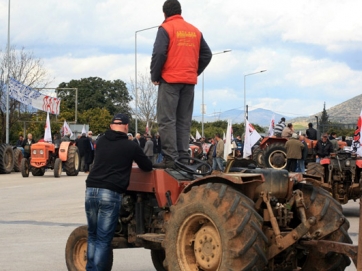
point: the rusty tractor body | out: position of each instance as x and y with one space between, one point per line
272 153
45 156
254 219
339 174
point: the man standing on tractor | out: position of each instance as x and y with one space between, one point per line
311 132
323 148
278 129
106 183
179 55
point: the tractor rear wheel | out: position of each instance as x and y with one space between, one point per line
158 256
57 168
6 159
315 169
327 211
275 156
214 227
258 157
18 156
76 250
71 166
25 167
38 171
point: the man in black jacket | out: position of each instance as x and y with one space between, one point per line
108 179
323 148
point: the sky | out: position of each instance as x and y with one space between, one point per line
311 50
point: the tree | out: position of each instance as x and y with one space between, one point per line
324 120
147 99
94 92
28 70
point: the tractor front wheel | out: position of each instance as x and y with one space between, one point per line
71 166
24 167
57 168
214 227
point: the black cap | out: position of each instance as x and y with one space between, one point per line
122 118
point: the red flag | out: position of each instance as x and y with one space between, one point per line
357 137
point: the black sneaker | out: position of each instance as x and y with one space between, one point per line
165 163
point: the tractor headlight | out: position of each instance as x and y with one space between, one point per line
34 151
41 152
348 163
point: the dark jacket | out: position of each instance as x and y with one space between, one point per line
160 53
305 151
294 148
311 133
113 162
323 149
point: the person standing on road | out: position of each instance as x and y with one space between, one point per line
180 54
218 154
294 152
148 149
105 185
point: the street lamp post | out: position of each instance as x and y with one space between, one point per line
7 84
135 57
203 105
245 115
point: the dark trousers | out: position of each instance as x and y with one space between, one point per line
174 113
292 165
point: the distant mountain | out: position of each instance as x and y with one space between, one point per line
258 116
346 112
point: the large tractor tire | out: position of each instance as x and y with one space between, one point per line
76 250
71 166
18 156
327 211
25 167
6 159
38 171
258 156
57 168
315 169
214 227
158 256
275 156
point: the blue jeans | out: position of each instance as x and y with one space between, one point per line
217 163
102 210
301 166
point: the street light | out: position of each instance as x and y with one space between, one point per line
245 116
203 105
135 57
7 85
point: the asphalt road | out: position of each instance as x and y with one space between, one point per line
39 213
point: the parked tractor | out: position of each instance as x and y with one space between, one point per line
254 219
339 174
10 159
45 156
272 153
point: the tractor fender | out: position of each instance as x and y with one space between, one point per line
359 163
325 161
63 150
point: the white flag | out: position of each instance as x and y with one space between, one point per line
48 131
251 137
357 141
271 126
84 131
66 129
147 128
198 136
192 138
228 145
224 137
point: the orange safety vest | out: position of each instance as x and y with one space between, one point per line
183 51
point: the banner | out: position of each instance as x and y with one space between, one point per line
48 131
66 129
29 96
271 126
198 136
251 137
357 141
228 145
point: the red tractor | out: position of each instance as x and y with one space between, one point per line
254 219
272 153
45 156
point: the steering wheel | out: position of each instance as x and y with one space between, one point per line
193 165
